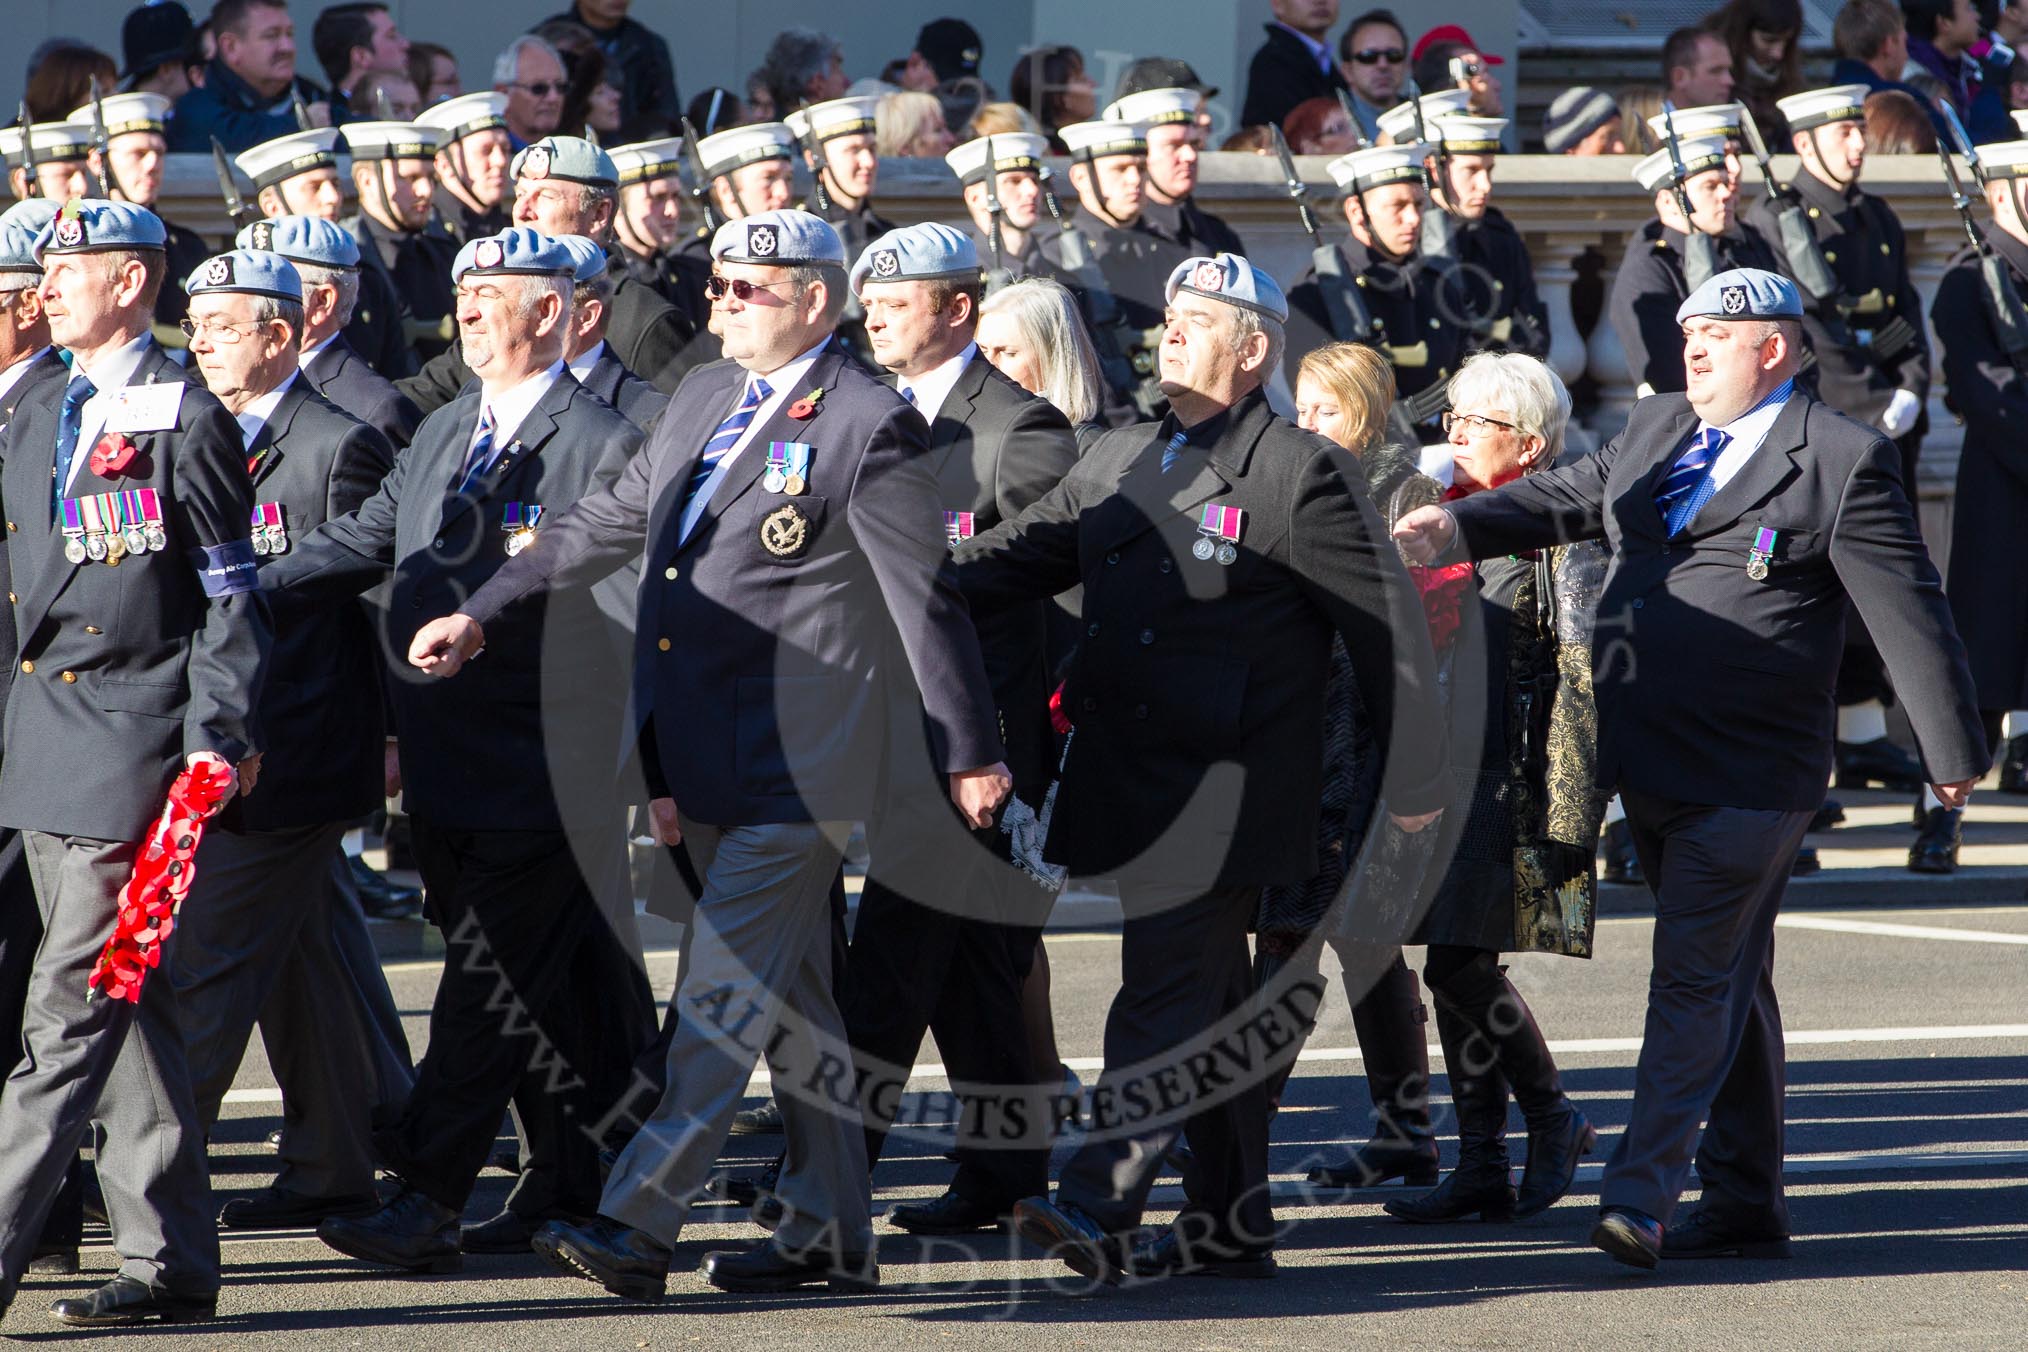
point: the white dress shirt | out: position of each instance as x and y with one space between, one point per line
11 377
254 416
929 390
581 365
1747 431
512 406
310 354
785 386
114 370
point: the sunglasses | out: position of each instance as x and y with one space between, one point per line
715 288
1373 56
542 89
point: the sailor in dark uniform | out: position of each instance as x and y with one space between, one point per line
473 152
398 233
137 147
1412 303
1723 120
1175 122
62 158
1651 284
749 170
1017 182
648 227
837 142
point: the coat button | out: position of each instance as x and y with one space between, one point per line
438 543
1113 557
1091 630
1140 711
669 573
28 668
70 678
11 601
1638 603
1147 636
663 644
12 526
1089 704
1166 566
1830 257
93 629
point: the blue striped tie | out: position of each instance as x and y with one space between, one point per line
1172 451
69 422
728 434
480 458
1689 485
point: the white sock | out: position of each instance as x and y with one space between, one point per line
2017 722
1929 798
1858 723
353 842
1616 811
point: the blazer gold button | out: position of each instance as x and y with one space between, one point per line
28 668
11 601
70 678
93 629
12 526
669 573
663 644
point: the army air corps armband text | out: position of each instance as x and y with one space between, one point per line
227 569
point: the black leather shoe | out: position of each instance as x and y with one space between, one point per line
745 1191
411 1232
53 1260
1552 1164
1705 1234
1936 849
1628 1236
1065 1231
508 1232
2014 765
765 1120
950 1214
1828 816
1481 1190
1880 762
768 1212
1378 1162
1169 1256
1622 863
1807 863
281 1209
126 1301
625 1261
379 898
768 1266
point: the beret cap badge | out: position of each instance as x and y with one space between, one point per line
1733 298
70 232
536 164
886 262
490 253
762 240
218 271
1208 276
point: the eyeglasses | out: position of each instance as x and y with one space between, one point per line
715 288
542 89
218 331
1475 424
1373 56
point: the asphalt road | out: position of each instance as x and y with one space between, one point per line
1908 1173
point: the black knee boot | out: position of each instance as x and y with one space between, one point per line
1480 1183
1389 1020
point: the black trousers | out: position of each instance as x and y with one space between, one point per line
916 966
1711 1049
522 933
1183 966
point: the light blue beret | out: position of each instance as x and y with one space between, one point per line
94 225
246 272
570 158
31 214
587 257
518 251
17 248
788 237
1743 293
302 239
1230 278
917 253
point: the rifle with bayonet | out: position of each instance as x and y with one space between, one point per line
1359 141
997 276
1700 251
1110 336
1437 239
102 143
33 188
228 188
2003 302
304 122
813 151
700 182
1807 263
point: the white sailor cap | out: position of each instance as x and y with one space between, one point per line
1822 107
55 143
833 118
725 151
391 140
1700 153
1013 152
302 239
246 272
1156 107
1468 135
125 113
299 152
2006 159
1378 166
929 251
1232 279
1710 119
645 161
787 238
1398 122
468 113
1089 141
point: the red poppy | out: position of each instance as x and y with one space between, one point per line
161 879
112 455
1443 594
806 407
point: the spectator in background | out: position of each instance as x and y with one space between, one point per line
1898 124
584 67
351 42
1583 121
435 73
1249 141
1447 58
760 99
1033 333
911 124
945 50
1320 127
1696 70
1767 62
249 88
157 41
716 109
803 67
60 75
1373 58
1638 103
637 64
1000 119
1871 40
961 99
530 73
1992 111
388 95
1050 82
1294 63
1940 38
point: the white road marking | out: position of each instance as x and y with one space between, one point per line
1889 931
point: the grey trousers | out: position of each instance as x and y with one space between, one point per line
260 946
106 1060
757 982
387 1040
1711 1051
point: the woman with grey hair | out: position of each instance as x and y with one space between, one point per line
1033 333
1517 842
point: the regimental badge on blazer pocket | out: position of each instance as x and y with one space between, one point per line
788 527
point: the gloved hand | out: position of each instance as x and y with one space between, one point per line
1901 413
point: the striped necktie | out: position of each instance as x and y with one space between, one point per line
1689 485
1172 451
480 458
69 422
728 434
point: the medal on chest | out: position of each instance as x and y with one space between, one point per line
788 469
518 520
1218 531
958 527
1761 555
269 529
